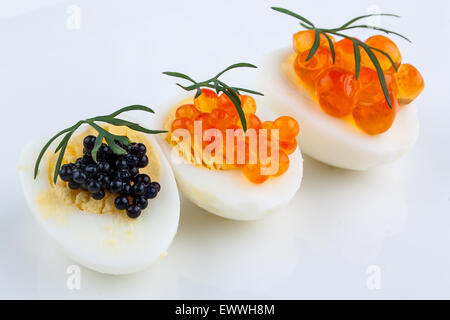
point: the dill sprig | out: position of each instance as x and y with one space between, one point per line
112 140
218 85
307 24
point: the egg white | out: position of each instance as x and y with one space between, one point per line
107 243
325 138
227 193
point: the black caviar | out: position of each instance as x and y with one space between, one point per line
117 174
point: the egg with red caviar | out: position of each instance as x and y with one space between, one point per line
226 159
226 187
349 119
114 210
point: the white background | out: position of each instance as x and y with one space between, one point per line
320 246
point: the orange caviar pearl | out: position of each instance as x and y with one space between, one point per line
345 54
288 146
267 125
187 111
221 119
248 104
225 103
385 44
207 101
335 88
308 70
253 122
409 83
253 173
370 90
288 127
204 118
377 117
304 40
283 163
182 123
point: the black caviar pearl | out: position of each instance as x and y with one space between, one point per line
89 142
124 175
84 187
127 189
156 185
98 195
116 186
73 185
132 148
133 211
121 202
87 159
105 182
143 178
150 192
104 167
94 186
134 171
79 163
143 161
141 149
121 163
138 189
91 170
103 152
141 201
132 160
66 172
79 177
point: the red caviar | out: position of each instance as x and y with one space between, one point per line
339 93
345 54
335 88
377 117
304 40
260 147
308 70
385 44
409 83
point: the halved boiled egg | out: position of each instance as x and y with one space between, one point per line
333 140
92 231
226 190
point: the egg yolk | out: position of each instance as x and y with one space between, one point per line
340 94
254 155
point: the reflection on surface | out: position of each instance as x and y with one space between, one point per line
333 229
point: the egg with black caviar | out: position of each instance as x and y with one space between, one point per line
115 215
351 97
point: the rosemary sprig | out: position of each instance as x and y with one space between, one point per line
218 85
111 139
356 43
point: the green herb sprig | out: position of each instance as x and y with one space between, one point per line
356 43
218 85
111 139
